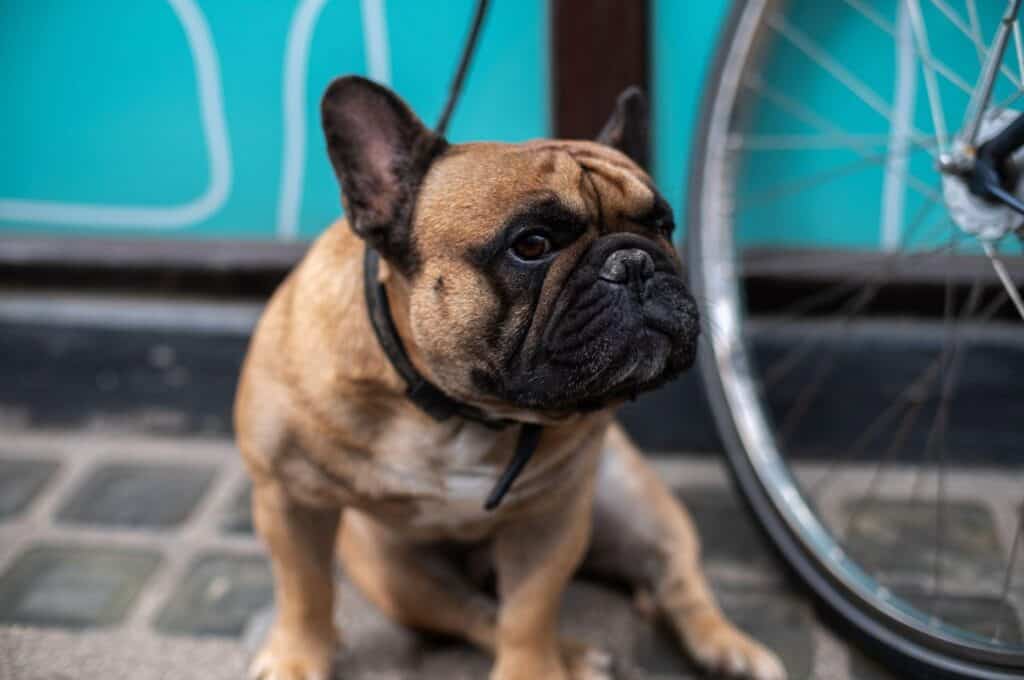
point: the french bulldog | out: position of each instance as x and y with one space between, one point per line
536 283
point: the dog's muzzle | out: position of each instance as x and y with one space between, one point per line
625 322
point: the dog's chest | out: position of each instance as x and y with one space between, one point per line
463 469
451 477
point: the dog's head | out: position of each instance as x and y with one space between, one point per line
539 277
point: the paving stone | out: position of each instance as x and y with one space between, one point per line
984 616
732 546
780 619
657 653
122 653
137 495
20 481
237 517
219 596
454 661
895 542
73 587
863 667
979 615
602 616
375 646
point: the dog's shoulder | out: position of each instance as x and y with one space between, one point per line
313 362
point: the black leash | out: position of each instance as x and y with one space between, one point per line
460 73
420 391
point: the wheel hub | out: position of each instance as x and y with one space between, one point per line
979 217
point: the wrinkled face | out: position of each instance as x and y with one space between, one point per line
539 276
546 277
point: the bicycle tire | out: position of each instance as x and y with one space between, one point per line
881 633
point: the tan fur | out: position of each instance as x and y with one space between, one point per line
327 433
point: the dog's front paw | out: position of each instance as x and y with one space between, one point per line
573 661
720 648
528 666
290 656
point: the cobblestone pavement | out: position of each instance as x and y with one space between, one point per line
126 556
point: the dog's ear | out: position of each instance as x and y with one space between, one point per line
626 130
380 152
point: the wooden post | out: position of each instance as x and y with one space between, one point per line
598 48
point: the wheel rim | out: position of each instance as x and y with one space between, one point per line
719 259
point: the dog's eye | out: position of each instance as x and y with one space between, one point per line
531 247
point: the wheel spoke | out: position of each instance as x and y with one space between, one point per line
840 73
917 390
948 345
896 169
809 303
903 430
786 188
800 111
891 264
1015 550
1004 277
940 524
794 416
872 15
975 29
993 64
870 265
912 398
1010 100
973 35
814 142
1018 49
947 372
928 60
931 86
785 364
780 368
911 395
935 442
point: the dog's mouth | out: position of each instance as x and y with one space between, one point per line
617 342
625 323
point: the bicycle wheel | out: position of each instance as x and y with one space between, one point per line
859 347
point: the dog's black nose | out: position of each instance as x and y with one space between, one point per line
628 265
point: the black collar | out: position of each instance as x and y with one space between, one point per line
428 397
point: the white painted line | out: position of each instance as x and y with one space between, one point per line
375 39
295 73
293 154
894 185
211 109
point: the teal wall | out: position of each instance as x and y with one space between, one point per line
103 129
198 118
106 136
683 43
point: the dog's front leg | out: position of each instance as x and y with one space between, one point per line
535 557
300 540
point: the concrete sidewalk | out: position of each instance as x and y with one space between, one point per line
127 556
